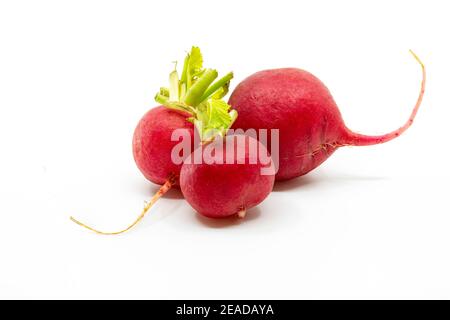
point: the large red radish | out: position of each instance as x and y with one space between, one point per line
309 122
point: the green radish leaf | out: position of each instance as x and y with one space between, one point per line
164 92
214 118
222 92
218 89
174 86
194 94
195 61
197 93
192 70
217 111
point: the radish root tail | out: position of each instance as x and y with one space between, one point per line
241 213
356 139
164 188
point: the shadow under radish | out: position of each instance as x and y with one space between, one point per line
316 179
295 183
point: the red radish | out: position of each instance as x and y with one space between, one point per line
226 187
152 145
194 99
309 122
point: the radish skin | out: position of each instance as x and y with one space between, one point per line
152 145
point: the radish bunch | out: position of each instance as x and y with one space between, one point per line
193 105
230 177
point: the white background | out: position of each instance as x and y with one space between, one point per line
76 76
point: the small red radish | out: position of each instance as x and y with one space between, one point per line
219 189
192 100
309 122
152 145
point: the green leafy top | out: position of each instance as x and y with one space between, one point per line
196 93
214 118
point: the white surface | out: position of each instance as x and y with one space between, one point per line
76 76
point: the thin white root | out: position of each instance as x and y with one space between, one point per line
164 188
241 214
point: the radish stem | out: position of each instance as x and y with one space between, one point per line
218 85
195 92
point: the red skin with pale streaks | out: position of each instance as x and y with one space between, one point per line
301 107
152 145
222 190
